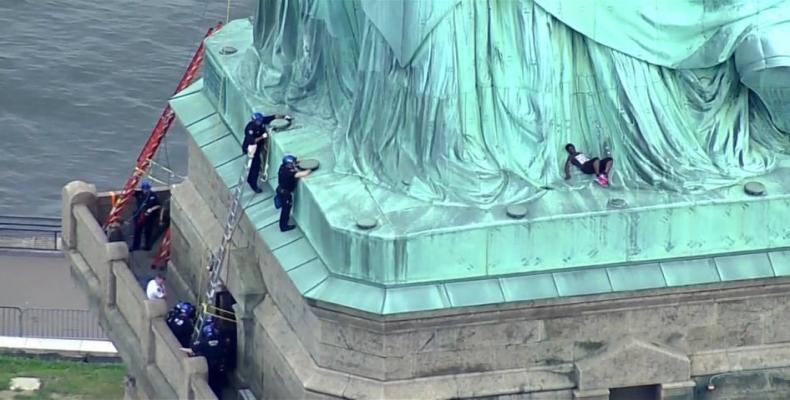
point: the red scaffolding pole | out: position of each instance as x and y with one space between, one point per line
153 142
163 255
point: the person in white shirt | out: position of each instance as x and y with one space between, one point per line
156 288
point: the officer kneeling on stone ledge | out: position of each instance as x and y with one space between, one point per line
208 345
180 320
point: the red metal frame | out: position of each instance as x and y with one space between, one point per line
153 142
163 255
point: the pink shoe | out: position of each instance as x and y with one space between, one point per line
602 180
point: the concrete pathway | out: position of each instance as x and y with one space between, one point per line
35 280
66 346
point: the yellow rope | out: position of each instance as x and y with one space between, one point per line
219 311
206 308
215 312
159 181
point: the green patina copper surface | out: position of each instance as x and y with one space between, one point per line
315 280
471 102
426 255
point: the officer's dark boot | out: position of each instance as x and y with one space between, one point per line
285 215
148 232
136 239
255 170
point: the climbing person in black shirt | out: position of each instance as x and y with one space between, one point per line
599 167
283 199
256 134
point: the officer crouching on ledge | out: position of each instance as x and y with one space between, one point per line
288 175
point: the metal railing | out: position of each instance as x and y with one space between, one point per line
50 323
29 233
10 321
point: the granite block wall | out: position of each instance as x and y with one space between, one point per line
295 347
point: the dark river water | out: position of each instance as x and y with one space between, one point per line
82 83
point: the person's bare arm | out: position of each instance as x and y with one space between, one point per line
568 168
302 174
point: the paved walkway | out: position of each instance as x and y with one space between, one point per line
67 346
30 280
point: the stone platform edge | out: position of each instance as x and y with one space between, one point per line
652 226
134 323
549 349
317 281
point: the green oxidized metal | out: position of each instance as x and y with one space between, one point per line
471 104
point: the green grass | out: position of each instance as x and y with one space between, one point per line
69 379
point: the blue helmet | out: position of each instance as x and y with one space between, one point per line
258 117
186 308
209 332
145 185
289 159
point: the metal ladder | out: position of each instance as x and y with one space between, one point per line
217 258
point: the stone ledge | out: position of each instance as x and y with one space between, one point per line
632 362
329 222
741 358
118 329
135 323
338 384
420 296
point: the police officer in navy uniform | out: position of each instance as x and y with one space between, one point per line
145 217
255 134
180 320
209 346
283 199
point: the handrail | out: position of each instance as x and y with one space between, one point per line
33 221
47 228
30 217
18 232
31 229
54 323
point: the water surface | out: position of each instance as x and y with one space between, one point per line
82 83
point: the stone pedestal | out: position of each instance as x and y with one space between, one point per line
75 192
118 253
153 309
